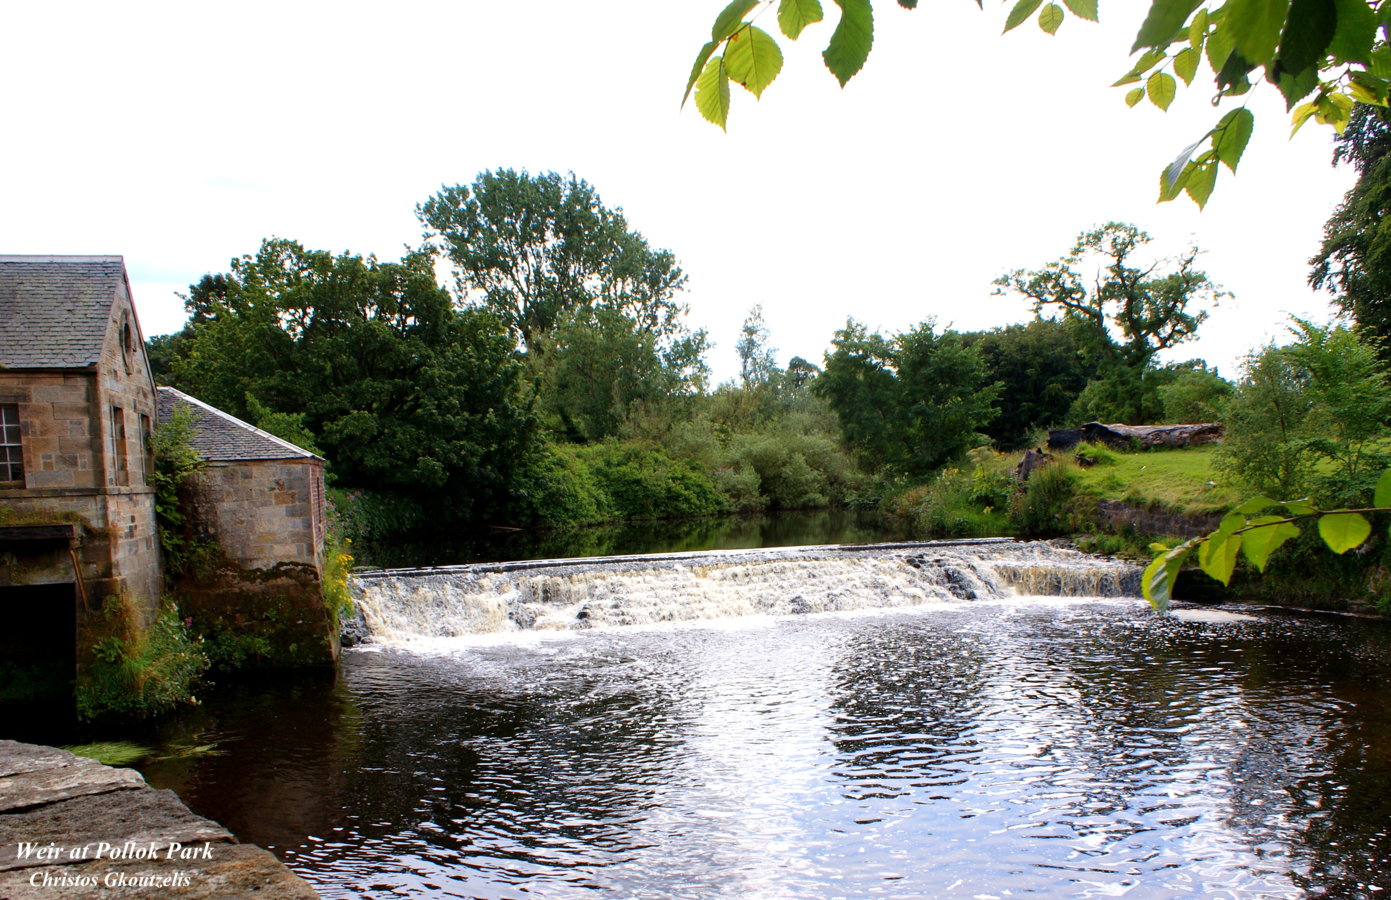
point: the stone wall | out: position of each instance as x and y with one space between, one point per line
263 512
263 600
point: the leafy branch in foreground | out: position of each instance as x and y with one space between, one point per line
1249 529
1324 57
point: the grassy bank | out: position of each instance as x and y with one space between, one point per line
1119 503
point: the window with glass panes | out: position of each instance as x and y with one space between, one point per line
11 449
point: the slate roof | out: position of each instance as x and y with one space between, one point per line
54 310
219 437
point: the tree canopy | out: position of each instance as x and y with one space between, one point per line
403 392
1128 309
912 402
534 247
1323 56
1354 261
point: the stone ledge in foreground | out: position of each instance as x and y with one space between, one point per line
73 829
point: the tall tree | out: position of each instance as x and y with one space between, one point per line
1128 310
534 247
600 372
757 360
913 402
1354 261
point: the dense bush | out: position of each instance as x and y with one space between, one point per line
1044 508
136 673
646 483
1310 418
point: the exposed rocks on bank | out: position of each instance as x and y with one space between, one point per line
72 828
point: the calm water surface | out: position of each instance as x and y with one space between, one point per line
1038 748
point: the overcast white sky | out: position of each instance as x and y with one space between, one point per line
181 134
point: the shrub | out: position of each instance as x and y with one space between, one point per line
1097 455
1044 507
138 673
951 507
645 483
559 488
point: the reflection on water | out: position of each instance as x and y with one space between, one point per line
1018 748
784 529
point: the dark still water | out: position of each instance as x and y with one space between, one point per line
794 528
1025 747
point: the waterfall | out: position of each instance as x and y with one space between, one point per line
401 605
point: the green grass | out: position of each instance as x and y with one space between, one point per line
1178 481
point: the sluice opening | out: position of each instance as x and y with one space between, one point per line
38 645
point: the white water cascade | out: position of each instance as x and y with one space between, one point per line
402 605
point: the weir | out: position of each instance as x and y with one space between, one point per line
401 605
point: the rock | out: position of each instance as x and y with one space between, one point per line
1032 461
73 828
146 818
233 871
77 777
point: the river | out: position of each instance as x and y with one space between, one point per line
1003 746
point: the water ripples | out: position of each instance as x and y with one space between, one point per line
1022 748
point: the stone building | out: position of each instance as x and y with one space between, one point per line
80 557
259 500
77 405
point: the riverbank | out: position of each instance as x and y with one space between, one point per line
72 828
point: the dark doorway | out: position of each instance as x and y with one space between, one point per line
38 643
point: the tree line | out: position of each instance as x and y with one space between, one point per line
552 377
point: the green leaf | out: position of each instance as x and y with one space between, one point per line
1218 48
729 20
1218 557
1161 89
1266 535
1142 65
1021 12
1343 531
712 92
794 15
1367 88
1134 96
1171 187
1356 33
1301 115
1165 20
1083 9
1232 76
1156 585
1381 58
1200 184
1157 582
1255 27
1255 505
1197 31
753 59
1295 86
1186 64
1231 135
1051 18
1172 179
1382 497
1300 507
1308 31
701 59
854 35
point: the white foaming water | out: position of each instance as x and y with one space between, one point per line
408 606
